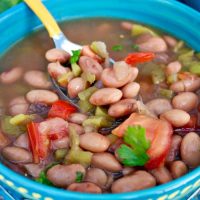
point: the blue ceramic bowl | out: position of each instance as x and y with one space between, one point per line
193 3
170 16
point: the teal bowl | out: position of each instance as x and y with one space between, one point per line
170 16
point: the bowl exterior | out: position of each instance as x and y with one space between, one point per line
170 16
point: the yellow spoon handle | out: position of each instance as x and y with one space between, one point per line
44 15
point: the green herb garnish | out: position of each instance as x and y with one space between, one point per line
75 56
43 179
135 47
79 177
117 47
134 154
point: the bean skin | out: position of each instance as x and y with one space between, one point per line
86 51
37 78
131 90
77 118
22 141
96 176
143 38
174 148
154 44
11 76
138 181
122 108
54 55
187 85
88 64
18 105
56 69
127 25
177 118
84 187
161 174
190 149
164 106
79 129
75 86
62 143
178 168
16 155
4 141
106 161
173 68
94 142
186 101
64 175
41 96
105 96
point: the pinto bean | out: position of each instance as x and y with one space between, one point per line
119 76
178 168
131 90
153 44
85 187
33 169
122 108
128 170
94 142
64 175
159 106
62 143
190 149
106 161
88 64
161 174
143 38
86 51
174 148
79 129
127 25
105 96
75 86
54 55
56 69
4 141
22 141
173 67
16 155
96 176
37 78
41 96
138 181
11 76
77 118
177 118
186 101
18 105
171 42
187 85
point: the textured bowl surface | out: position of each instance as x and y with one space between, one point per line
171 16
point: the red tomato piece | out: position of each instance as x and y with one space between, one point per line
139 57
159 133
61 109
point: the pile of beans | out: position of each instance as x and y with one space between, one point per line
122 91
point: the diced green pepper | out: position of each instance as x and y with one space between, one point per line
197 55
138 29
158 75
76 69
10 129
60 154
99 48
172 78
112 138
86 94
186 58
166 93
21 119
64 79
195 68
101 111
88 77
85 106
179 46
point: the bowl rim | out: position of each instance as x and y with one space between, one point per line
28 183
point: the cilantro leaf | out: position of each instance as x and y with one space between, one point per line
79 177
75 56
134 154
135 47
43 179
117 47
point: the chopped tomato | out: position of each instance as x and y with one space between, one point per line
54 128
139 57
39 143
61 109
159 133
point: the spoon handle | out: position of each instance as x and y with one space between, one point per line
44 15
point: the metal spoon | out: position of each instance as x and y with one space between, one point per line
61 42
